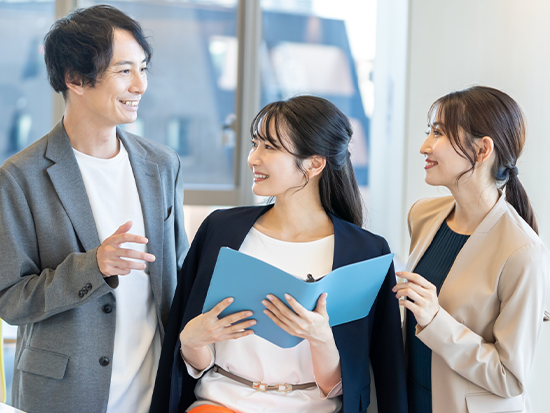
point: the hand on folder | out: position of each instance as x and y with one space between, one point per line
208 328
352 288
297 321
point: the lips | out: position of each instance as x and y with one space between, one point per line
259 177
130 103
429 164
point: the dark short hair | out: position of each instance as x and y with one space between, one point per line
81 44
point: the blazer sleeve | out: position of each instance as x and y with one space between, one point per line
500 367
386 353
28 292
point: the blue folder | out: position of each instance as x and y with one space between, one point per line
351 290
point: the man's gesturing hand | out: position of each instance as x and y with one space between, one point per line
113 260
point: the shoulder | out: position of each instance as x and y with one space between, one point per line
355 235
155 152
429 207
236 215
426 209
516 237
29 161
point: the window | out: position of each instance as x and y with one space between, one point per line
25 93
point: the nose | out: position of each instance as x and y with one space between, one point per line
139 83
253 158
426 147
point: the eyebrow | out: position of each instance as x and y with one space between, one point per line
127 62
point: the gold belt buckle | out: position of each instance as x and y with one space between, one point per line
284 387
259 386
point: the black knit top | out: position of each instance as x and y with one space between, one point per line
434 266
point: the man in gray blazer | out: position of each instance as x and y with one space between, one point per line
91 230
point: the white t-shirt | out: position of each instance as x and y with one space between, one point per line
113 196
257 359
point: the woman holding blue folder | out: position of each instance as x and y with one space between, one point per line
300 158
478 274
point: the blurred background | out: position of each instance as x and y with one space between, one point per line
217 62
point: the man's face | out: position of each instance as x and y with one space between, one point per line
115 97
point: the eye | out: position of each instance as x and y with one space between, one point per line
268 146
125 71
144 69
254 144
437 132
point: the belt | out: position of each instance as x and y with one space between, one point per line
259 386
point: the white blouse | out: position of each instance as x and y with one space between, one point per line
257 359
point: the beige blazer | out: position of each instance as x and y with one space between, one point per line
492 308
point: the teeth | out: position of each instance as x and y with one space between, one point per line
130 102
260 176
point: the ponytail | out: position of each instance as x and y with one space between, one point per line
517 197
340 194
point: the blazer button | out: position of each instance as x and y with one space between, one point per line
107 308
88 286
104 361
81 293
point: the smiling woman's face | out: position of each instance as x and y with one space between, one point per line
115 97
275 171
444 165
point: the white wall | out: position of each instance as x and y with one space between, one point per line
450 45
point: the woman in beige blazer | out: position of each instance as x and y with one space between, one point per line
478 274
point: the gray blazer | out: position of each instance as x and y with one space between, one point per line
50 283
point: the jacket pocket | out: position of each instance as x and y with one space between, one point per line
490 403
43 362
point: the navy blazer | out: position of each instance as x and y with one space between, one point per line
377 336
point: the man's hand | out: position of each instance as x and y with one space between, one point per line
113 260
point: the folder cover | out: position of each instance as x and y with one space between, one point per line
351 290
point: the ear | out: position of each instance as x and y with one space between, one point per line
484 148
314 165
74 83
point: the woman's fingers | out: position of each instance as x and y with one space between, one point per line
415 278
222 305
321 306
232 329
279 308
412 294
419 290
233 318
278 321
295 305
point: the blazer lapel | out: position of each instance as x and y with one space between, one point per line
148 183
425 242
472 247
67 181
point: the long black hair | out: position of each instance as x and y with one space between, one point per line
315 126
484 111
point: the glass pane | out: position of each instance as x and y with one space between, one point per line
26 97
325 48
189 103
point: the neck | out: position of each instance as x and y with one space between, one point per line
296 218
472 204
87 137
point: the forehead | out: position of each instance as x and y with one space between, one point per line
126 48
